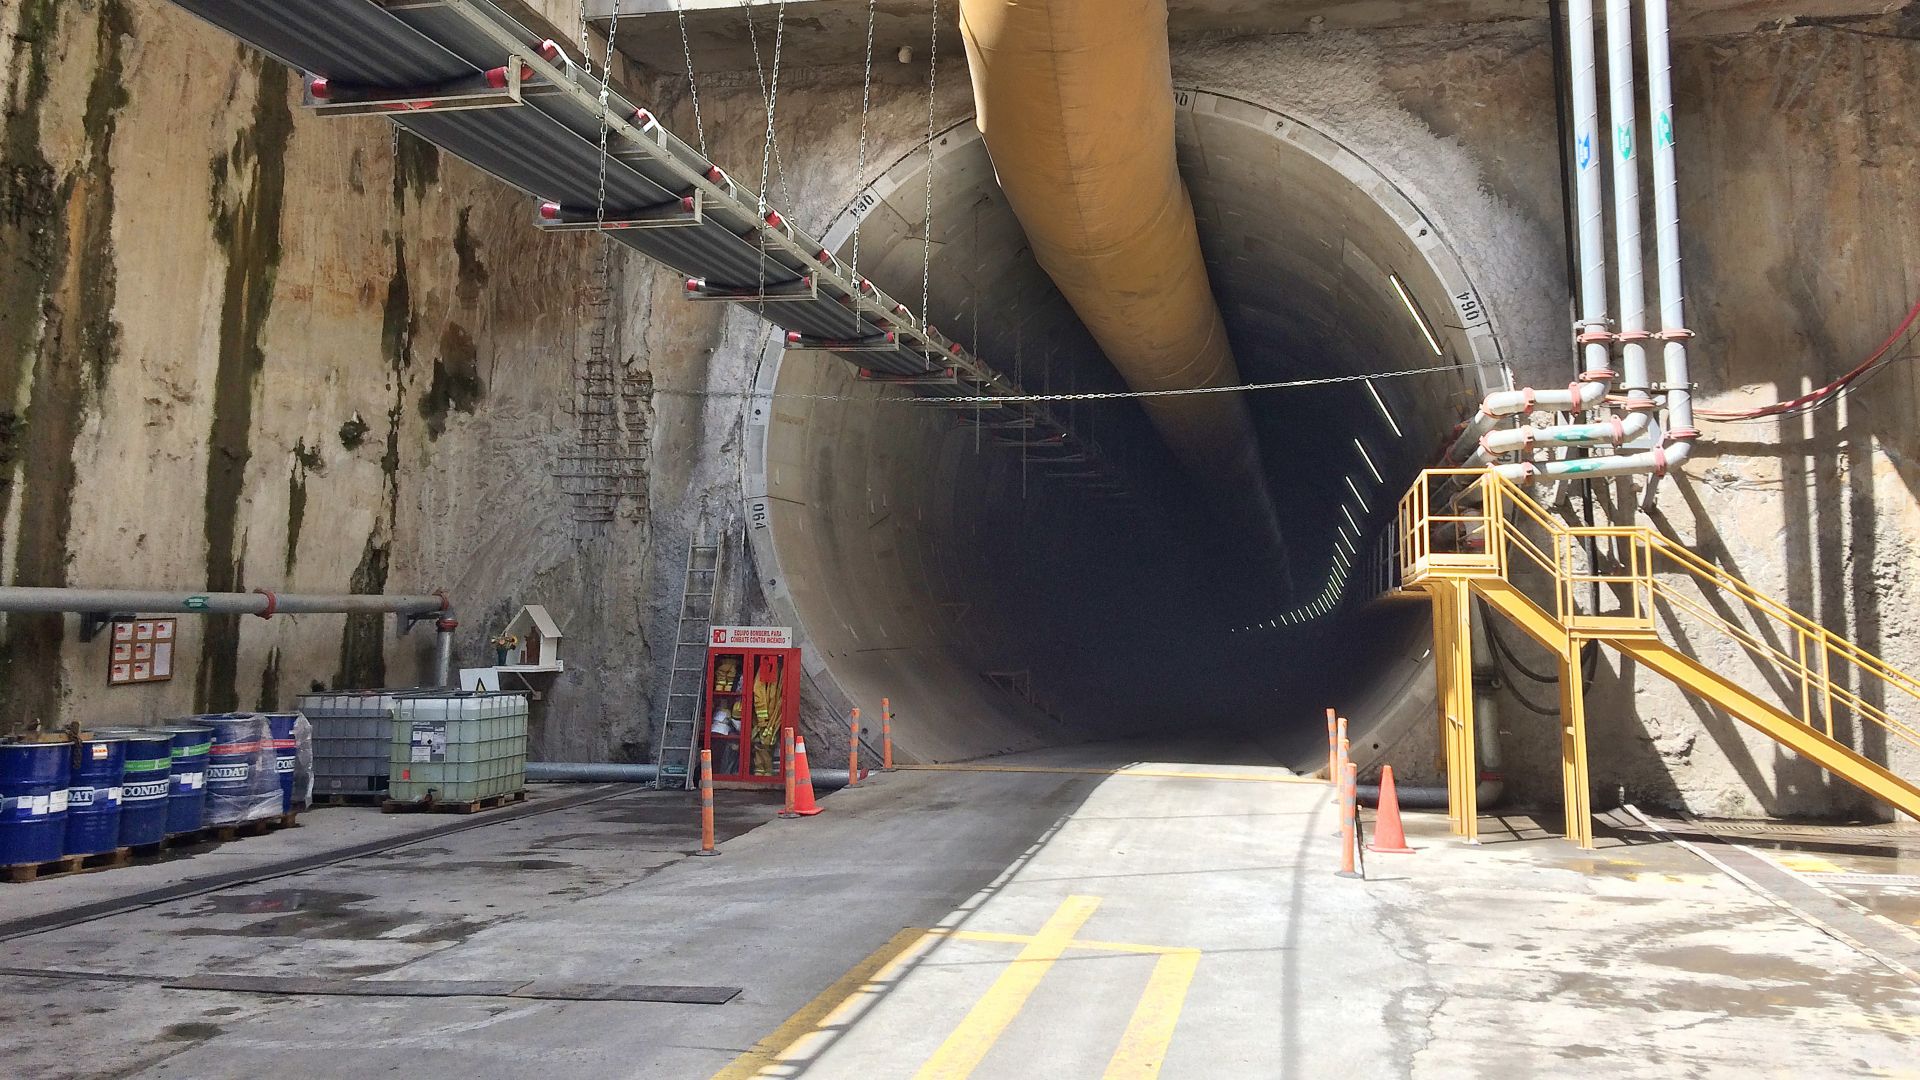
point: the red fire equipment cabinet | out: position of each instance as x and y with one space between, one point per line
753 694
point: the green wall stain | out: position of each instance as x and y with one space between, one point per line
473 272
252 186
363 658
305 463
32 229
56 329
456 384
416 166
269 698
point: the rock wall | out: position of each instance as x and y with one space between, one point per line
244 348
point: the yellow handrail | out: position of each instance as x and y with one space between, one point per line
1487 521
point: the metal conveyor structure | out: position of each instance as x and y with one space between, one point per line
473 80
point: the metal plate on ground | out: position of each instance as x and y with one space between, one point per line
678 995
517 988
291 984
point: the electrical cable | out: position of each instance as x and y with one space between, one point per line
1521 699
1501 647
1111 395
1825 394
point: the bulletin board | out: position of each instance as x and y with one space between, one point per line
142 652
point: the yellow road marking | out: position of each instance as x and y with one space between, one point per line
1810 864
827 1003
1076 943
1144 1046
963 1050
1161 773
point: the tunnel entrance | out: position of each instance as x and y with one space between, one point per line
923 559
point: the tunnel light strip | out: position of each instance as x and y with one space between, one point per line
1420 317
1350 521
1368 458
1355 488
1384 412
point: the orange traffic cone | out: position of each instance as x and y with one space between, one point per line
803 803
1388 836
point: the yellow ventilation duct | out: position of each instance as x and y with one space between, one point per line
1075 100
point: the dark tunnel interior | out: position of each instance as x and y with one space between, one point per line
1003 608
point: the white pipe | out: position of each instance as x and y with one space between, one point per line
1595 335
1630 279
1666 215
1588 392
1657 462
1612 431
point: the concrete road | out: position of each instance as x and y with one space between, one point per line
1093 913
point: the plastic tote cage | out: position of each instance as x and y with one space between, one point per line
351 733
456 747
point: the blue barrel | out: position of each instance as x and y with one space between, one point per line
143 794
241 782
33 800
286 755
93 794
187 786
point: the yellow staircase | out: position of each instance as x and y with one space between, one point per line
1468 533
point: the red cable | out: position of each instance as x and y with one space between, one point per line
1840 383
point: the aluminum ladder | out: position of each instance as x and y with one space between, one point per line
680 721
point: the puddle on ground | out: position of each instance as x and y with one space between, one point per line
324 915
1901 904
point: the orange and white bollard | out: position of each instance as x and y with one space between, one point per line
1340 786
1339 756
706 804
886 735
787 767
853 749
1333 762
1349 819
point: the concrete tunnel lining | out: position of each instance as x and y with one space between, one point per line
904 552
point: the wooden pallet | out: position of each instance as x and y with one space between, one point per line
240 830
67 864
349 798
433 806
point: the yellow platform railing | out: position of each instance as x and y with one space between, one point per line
1469 532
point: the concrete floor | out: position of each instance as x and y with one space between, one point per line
1039 916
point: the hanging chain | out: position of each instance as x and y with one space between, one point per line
586 45
766 150
693 91
606 122
926 244
760 71
860 168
